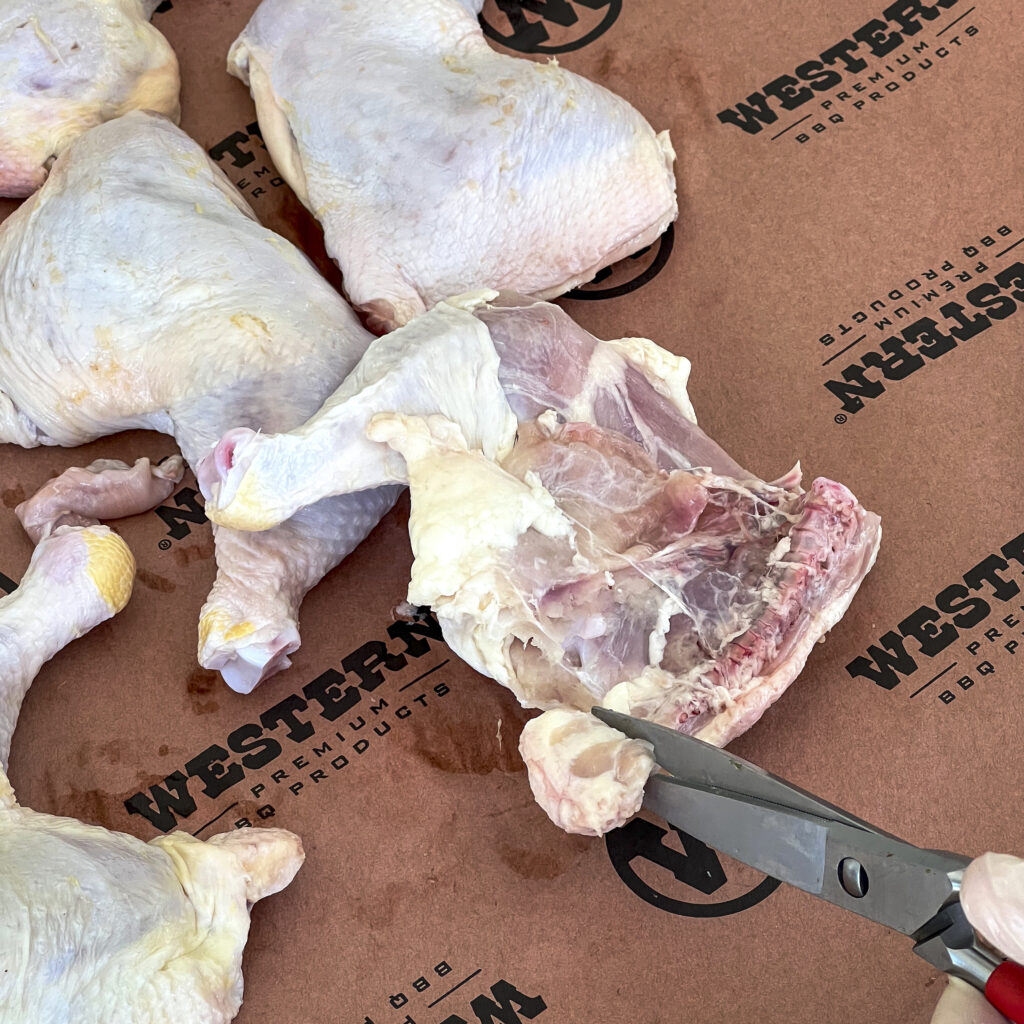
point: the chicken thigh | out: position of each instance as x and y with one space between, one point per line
137 290
579 538
67 65
97 927
437 165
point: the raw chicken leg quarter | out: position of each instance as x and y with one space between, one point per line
579 538
67 65
137 290
437 165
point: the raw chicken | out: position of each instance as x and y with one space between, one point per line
137 290
78 578
97 927
105 489
437 165
81 573
601 549
67 65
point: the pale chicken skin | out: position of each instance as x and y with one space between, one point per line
97 927
137 290
437 165
78 578
579 538
68 65
105 489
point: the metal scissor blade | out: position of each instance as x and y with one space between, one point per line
869 873
694 761
781 844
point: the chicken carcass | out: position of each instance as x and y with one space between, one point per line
600 549
97 927
67 65
137 290
436 164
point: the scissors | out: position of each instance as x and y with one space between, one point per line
793 836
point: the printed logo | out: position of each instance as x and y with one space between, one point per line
969 604
629 274
695 867
548 26
505 1004
238 148
882 57
178 517
927 338
303 742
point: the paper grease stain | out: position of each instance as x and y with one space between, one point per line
154 581
547 861
470 748
185 554
89 805
201 683
111 752
13 496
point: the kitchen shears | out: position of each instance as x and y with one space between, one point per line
795 837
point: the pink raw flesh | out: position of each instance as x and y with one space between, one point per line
684 564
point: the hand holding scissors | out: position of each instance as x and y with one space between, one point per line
793 836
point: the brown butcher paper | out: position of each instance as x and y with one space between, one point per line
846 277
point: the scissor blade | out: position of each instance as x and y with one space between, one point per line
694 761
901 886
782 845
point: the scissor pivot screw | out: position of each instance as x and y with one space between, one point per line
852 877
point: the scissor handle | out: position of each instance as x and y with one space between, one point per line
1005 990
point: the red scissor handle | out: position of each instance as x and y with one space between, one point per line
1005 990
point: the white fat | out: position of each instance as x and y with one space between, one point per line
659 635
458 567
472 300
667 373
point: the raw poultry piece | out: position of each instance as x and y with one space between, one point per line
137 290
97 927
78 578
67 65
105 489
437 165
81 572
603 550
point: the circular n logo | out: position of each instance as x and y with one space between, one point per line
548 26
695 867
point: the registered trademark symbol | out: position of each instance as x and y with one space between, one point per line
840 417
164 544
